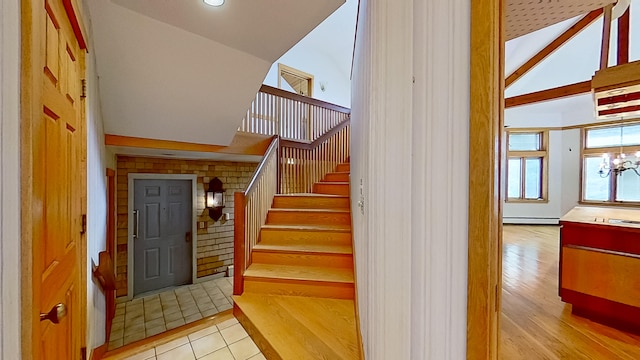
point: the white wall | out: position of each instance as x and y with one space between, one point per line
563 181
570 152
10 179
326 54
410 112
314 61
98 159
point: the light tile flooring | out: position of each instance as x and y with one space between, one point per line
153 314
226 341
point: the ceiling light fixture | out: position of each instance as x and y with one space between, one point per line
214 2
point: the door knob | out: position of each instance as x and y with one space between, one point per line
56 313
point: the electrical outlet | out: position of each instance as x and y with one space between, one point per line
202 224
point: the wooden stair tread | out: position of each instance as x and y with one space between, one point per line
317 211
342 183
311 195
329 228
306 248
302 328
301 273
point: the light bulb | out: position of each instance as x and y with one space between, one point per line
638 154
616 161
214 2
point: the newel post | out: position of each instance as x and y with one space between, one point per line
238 242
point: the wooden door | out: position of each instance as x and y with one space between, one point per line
162 234
54 126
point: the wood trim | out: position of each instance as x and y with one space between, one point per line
623 37
110 295
549 94
606 37
292 96
30 95
299 73
553 46
98 353
485 205
129 141
239 242
70 8
318 141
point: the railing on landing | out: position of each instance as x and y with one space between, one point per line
310 138
291 116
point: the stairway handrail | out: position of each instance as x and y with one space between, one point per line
250 211
274 146
317 142
304 99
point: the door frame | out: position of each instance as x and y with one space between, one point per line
194 230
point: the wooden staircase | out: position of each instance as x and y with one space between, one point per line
298 300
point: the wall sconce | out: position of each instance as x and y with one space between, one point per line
214 200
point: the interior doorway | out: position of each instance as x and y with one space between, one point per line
162 234
294 80
162 228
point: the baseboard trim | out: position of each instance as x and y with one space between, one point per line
530 221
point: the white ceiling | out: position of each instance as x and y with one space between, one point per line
265 29
182 71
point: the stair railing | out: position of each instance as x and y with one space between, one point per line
250 212
291 116
303 164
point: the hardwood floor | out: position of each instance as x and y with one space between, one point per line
535 323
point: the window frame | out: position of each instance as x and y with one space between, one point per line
523 155
598 152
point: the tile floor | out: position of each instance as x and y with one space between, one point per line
226 341
153 314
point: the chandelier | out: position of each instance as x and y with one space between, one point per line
619 164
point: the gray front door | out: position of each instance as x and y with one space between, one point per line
162 248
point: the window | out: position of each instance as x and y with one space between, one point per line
526 166
609 157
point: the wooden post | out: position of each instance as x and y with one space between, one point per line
239 242
623 37
606 37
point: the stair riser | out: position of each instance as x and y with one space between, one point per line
310 202
321 259
331 189
343 168
298 288
305 218
293 236
339 177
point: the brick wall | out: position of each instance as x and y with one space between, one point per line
215 242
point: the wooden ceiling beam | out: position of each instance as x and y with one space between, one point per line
623 37
553 46
549 94
606 37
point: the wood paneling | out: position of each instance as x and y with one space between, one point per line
616 278
485 205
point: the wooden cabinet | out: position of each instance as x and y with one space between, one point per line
600 265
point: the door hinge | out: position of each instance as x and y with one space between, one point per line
83 221
84 88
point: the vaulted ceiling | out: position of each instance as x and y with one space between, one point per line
184 71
